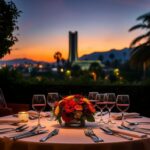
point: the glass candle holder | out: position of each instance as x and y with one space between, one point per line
23 116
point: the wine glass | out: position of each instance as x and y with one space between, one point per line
92 97
111 101
101 105
39 104
123 103
51 99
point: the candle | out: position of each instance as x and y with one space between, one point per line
23 116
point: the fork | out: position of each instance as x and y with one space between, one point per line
89 132
86 132
18 129
53 133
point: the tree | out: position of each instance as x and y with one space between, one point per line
8 24
58 57
96 68
140 52
101 57
111 56
76 71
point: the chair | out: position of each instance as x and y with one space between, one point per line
4 110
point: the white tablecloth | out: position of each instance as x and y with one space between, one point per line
72 138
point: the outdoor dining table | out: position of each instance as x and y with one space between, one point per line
70 138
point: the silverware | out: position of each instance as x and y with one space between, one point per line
133 129
18 129
33 117
137 123
89 132
29 134
53 133
22 134
103 114
110 132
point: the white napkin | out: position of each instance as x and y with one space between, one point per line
9 120
43 114
118 116
129 133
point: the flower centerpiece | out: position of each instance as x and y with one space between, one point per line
74 109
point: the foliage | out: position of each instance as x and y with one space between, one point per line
140 54
8 24
74 107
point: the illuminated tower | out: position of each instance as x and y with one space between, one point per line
73 46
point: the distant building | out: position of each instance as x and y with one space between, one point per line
73 46
85 64
73 53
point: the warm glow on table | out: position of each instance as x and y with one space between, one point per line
23 116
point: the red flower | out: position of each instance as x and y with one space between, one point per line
69 106
74 107
66 117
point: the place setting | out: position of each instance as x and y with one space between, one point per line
77 112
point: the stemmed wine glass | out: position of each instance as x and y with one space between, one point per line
51 99
123 103
39 104
111 101
92 97
101 104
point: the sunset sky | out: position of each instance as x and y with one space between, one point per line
101 25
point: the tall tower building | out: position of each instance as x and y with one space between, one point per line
73 46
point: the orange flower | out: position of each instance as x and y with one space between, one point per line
91 108
86 100
73 107
78 107
56 111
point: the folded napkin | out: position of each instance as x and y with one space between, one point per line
34 113
129 133
9 120
118 116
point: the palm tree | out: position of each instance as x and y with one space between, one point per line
57 57
140 52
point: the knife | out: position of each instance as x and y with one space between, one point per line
53 133
134 130
110 132
31 134
22 134
18 129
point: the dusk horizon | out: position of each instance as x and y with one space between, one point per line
101 25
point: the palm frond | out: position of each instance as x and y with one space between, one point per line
141 46
140 55
142 26
144 16
139 38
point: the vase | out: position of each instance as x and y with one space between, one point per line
75 123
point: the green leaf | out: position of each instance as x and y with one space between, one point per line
59 120
90 118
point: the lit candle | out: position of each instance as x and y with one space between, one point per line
23 116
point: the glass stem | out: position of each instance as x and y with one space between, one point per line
109 114
38 118
122 117
101 114
52 111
